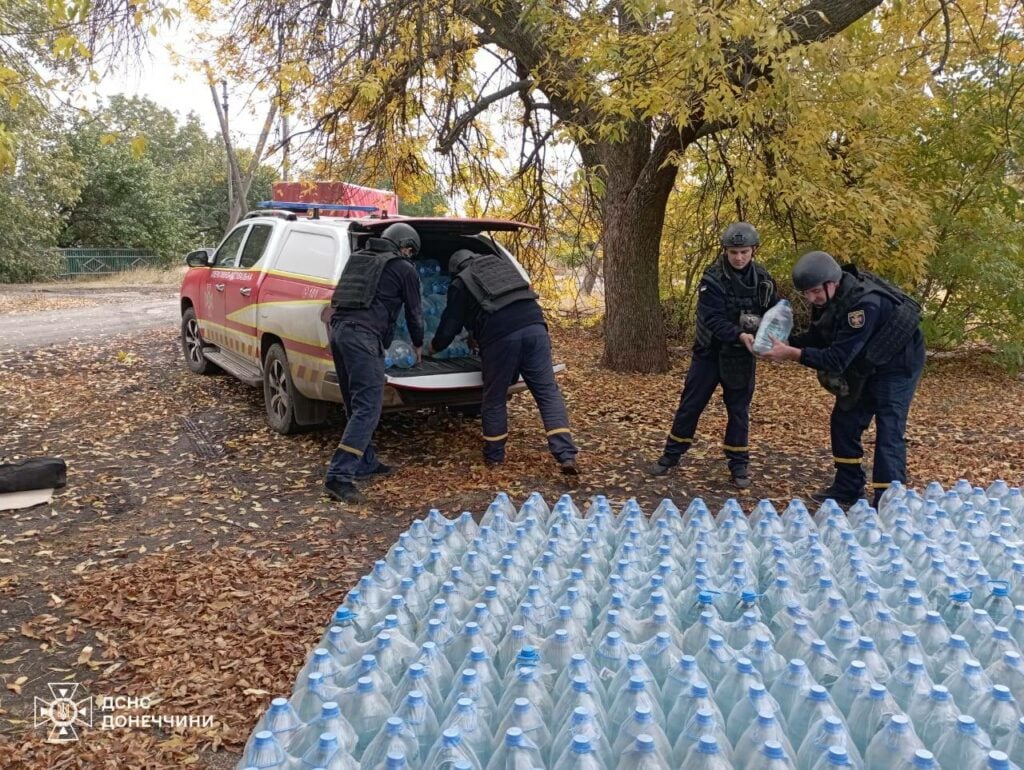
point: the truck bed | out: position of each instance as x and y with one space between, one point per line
431 366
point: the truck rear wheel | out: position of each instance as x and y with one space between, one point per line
279 393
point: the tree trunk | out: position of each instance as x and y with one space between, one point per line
634 333
635 198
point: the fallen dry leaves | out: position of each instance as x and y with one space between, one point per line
193 561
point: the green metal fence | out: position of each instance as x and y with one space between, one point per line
79 262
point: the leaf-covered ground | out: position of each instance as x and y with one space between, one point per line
192 560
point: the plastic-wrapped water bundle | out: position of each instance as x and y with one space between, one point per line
587 636
433 291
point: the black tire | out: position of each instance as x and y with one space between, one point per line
192 345
279 394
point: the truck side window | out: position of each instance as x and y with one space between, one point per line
255 245
311 254
227 254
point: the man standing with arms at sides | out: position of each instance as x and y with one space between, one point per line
734 293
866 344
377 282
491 298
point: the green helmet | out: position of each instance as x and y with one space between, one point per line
739 235
458 260
814 269
402 235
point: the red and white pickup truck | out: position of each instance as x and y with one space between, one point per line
256 307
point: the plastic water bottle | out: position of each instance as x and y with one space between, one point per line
792 686
851 684
450 750
686 706
516 752
702 723
1015 744
814 707
715 659
964 747
475 732
910 680
421 719
281 720
997 714
642 755
528 718
869 713
265 752
776 324
365 709
327 754
308 700
765 728
771 757
641 722
735 684
893 746
968 684
828 733
580 754
706 755
768 662
329 721
997 760
834 757
581 725
1009 671
823 664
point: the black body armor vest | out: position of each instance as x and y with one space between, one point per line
357 285
495 282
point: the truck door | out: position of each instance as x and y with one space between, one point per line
211 308
241 290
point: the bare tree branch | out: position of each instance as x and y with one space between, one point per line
445 142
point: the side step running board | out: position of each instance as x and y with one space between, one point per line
246 372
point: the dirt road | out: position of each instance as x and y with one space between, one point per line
82 315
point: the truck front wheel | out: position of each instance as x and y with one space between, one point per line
192 345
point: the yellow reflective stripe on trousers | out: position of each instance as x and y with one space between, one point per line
502 437
880 484
735 448
847 460
557 430
674 437
350 450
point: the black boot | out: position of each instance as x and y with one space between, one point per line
343 492
568 467
740 477
662 467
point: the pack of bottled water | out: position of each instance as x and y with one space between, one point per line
433 295
603 639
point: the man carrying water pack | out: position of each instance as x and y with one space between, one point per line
735 292
865 342
491 298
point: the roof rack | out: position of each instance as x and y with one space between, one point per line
270 213
312 207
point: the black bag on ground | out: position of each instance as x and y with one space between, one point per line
37 473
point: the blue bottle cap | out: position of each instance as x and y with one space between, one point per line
773 750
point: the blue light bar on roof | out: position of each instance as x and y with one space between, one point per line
301 206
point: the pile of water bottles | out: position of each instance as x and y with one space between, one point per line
604 639
434 295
